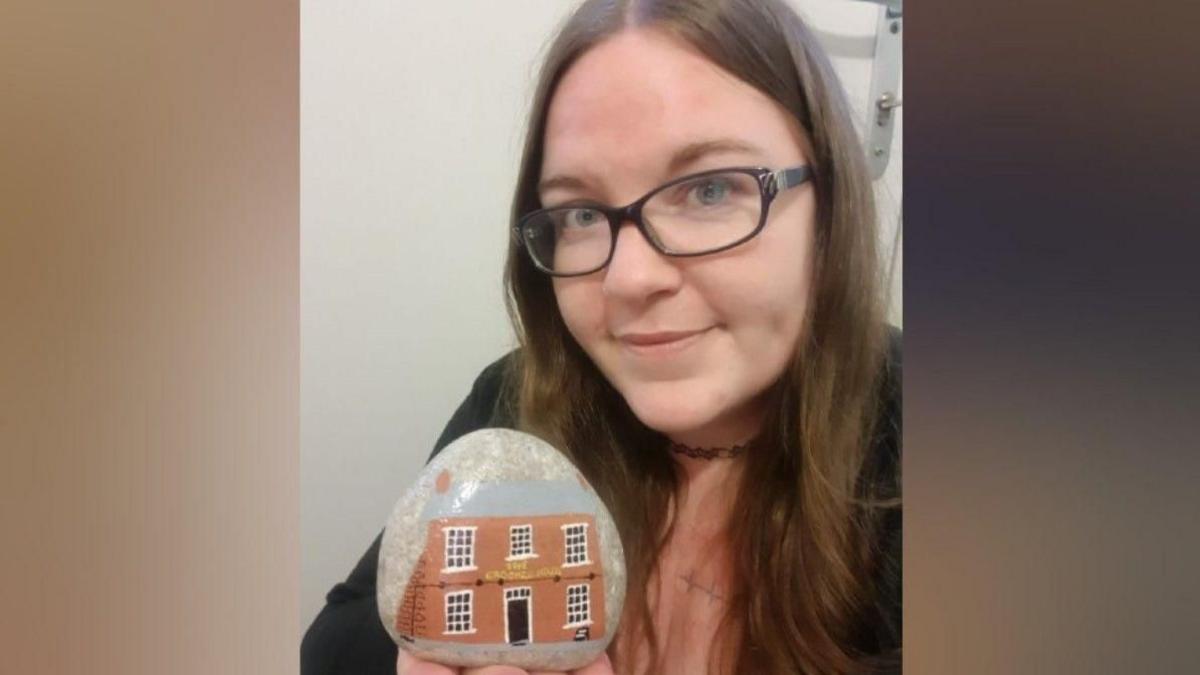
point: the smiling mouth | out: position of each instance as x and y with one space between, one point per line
660 342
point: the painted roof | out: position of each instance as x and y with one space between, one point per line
510 498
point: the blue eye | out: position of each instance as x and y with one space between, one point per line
711 192
582 217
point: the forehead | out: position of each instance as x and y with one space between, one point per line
628 103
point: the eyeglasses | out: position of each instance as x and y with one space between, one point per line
695 215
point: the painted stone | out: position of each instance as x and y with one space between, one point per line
501 554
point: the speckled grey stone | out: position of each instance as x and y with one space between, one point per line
492 486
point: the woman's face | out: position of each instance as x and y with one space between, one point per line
691 343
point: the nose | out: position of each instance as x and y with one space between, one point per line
637 270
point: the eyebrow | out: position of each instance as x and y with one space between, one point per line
688 154
692 152
560 183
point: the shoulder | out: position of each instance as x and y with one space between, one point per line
347 636
882 466
490 403
883 473
491 380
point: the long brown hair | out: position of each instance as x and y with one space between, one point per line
808 526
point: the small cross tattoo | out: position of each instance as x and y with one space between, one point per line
711 591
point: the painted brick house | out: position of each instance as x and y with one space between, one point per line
506 564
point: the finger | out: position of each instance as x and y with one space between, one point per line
407 664
601 666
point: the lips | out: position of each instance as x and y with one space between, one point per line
659 338
659 341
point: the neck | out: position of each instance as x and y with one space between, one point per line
733 428
708 490
699 469
710 486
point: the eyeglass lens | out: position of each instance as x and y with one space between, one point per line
691 217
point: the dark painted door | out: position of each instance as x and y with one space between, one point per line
518 621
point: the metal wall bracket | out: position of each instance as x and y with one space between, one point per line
885 81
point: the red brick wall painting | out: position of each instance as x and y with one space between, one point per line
506 580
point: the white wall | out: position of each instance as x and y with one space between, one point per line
411 117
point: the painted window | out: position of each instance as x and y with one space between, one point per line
460 548
575 536
518 593
579 606
458 613
520 541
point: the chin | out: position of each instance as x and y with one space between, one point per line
694 414
671 413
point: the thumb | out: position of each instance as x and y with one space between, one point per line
407 664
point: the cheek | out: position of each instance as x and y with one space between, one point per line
795 277
769 310
580 304
789 315
774 320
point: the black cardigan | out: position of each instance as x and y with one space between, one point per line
348 638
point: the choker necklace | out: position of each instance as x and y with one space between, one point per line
707 453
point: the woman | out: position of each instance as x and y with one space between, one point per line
694 282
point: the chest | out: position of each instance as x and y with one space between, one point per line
689 598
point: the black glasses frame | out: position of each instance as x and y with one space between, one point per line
770 184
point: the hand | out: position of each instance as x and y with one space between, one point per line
407 664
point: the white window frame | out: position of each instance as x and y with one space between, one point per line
567 545
586 611
513 530
470 604
469 555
